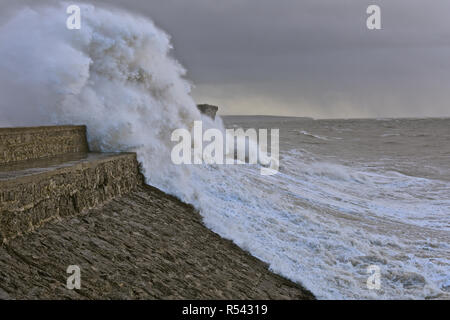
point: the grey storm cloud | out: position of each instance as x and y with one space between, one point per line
309 57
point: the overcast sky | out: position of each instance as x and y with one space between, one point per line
310 57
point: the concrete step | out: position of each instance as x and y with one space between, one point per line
24 144
52 182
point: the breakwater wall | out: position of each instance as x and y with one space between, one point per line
47 173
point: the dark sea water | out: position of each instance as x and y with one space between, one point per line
352 194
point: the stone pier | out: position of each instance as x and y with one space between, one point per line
47 173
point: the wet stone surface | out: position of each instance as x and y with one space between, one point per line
33 195
145 245
24 144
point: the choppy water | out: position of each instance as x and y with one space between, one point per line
352 193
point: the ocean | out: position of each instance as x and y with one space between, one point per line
350 194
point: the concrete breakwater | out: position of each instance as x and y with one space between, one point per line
63 206
24 144
47 173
